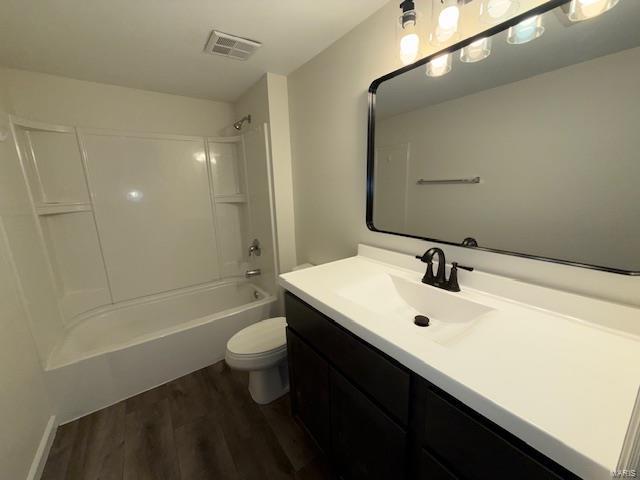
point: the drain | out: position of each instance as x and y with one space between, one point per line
421 321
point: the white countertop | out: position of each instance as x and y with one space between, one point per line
560 371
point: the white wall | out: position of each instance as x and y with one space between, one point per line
61 100
277 90
328 111
24 403
535 171
268 102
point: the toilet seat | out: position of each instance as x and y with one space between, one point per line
260 345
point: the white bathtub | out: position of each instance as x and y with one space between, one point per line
125 349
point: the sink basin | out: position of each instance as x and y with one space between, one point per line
400 300
436 303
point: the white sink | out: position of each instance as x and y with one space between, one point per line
535 361
399 300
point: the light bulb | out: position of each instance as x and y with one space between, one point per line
476 51
447 23
441 65
407 32
498 8
580 10
409 46
492 11
526 31
449 17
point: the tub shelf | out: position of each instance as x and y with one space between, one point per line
237 198
61 208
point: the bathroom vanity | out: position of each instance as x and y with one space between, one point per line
495 387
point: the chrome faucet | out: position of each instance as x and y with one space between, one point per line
254 248
252 273
440 278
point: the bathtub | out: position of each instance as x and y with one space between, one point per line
125 349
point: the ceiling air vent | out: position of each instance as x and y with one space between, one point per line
231 46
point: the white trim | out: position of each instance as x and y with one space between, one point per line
231 139
106 132
40 458
62 208
41 126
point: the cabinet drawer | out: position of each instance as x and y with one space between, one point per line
372 371
473 450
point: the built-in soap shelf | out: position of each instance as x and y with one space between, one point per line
236 198
44 209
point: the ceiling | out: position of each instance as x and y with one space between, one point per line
158 44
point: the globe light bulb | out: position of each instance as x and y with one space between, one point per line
497 9
526 31
476 51
580 10
441 65
409 47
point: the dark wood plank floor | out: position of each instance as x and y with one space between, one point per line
201 426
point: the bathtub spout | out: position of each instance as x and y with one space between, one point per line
252 273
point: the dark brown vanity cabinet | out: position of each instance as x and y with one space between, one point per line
309 377
365 442
375 419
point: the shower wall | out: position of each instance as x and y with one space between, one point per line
261 216
127 215
64 263
153 211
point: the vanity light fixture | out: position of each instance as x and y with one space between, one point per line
439 66
526 31
476 51
409 38
580 10
494 11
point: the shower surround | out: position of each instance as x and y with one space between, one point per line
145 237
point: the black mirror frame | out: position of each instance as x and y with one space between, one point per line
544 8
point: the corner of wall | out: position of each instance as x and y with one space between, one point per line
278 100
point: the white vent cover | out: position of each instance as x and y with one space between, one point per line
230 46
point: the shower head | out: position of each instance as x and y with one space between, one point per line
238 125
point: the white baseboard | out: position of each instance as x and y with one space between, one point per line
40 458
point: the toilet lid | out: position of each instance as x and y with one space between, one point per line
260 337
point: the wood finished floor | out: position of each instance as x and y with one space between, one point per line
201 426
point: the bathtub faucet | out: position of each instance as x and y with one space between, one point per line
252 273
254 248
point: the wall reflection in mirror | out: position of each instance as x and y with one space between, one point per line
529 147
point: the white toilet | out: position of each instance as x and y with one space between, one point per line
261 349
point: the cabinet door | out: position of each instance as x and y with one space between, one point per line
474 448
429 468
309 383
365 442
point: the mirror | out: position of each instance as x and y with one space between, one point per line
533 151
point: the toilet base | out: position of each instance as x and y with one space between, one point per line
269 384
